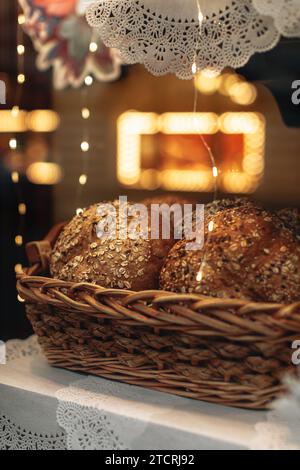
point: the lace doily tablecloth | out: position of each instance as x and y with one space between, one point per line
46 408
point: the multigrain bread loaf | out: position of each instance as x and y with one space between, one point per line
290 218
80 255
220 205
248 255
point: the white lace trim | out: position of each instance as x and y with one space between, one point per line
89 412
281 431
15 437
16 348
165 35
286 15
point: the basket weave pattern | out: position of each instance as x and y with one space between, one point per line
231 352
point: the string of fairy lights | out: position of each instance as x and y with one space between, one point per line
215 172
14 142
85 144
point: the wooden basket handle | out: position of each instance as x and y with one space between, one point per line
38 253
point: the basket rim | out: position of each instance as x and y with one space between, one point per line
159 308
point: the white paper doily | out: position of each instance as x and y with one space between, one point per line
281 431
87 413
286 15
166 36
17 348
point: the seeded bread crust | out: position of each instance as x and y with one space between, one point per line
80 256
290 218
248 255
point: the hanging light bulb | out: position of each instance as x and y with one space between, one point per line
85 113
93 47
88 80
21 78
85 146
13 144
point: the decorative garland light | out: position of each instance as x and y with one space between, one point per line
13 142
85 145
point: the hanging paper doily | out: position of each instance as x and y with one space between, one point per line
167 36
286 14
62 38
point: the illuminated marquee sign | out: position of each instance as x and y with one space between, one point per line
166 151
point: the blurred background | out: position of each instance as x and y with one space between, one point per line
63 148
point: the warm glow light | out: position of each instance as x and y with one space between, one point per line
21 78
42 120
13 144
12 121
228 80
187 180
85 146
15 177
44 173
15 120
240 123
207 85
199 276
210 226
132 125
18 268
89 80
15 111
20 49
85 113
21 19
19 240
22 208
238 182
79 211
93 47
188 123
243 93
150 179
83 179
194 68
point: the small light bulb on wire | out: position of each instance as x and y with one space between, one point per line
215 172
85 113
194 68
93 47
13 144
18 268
22 208
21 78
89 80
85 146
21 19
21 49
15 177
19 240
83 180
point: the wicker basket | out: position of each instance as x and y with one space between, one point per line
231 352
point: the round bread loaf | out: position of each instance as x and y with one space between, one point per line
247 255
133 263
220 205
290 218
